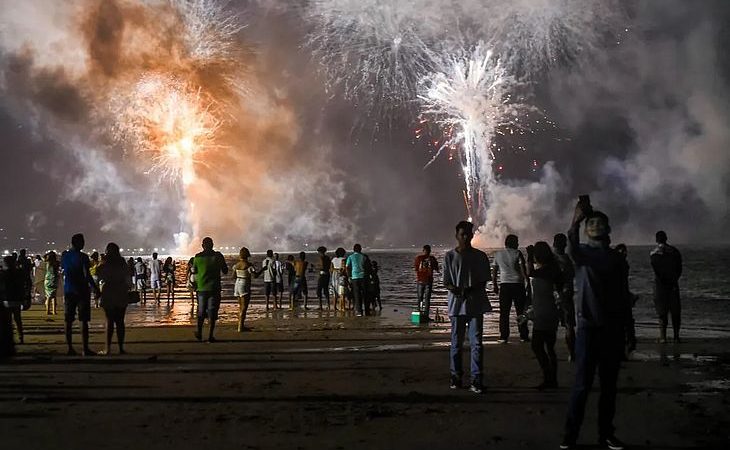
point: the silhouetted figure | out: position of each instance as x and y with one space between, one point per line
191 285
323 281
268 268
7 344
77 288
208 266
14 293
113 275
300 278
565 290
339 277
168 277
374 286
156 276
509 264
425 265
602 308
630 331
140 271
279 269
544 275
290 274
667 264
466 272
357 273
94 259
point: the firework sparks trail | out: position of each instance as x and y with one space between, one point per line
168 123
473 96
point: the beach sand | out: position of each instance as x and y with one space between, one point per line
337 384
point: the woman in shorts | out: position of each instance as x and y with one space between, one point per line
243 271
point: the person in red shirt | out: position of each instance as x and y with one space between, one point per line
425 265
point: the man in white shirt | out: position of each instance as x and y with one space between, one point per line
509 264
268 268
156 277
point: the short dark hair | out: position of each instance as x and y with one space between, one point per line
322 249
269 253
661 237
208 242
466 226
511 241
340 252
543 253
357 248
427 248
560 240
302 255
154 255
599 214
77 241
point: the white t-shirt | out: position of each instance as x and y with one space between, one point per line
269 266
338 262
155 269
509 267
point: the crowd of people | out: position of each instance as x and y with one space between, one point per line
582 286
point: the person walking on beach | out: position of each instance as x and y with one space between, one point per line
602 307
466 272
208 266
667 264
168 276
338 278
509 264
77 288
544 275
114 279
156 277
565 290
356 272
242 273
300 278
50 282
140 273
323 281
268 268
425 265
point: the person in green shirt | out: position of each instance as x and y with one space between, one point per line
208 266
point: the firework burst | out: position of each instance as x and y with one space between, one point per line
473 97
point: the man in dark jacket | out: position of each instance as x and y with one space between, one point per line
667 264
602 307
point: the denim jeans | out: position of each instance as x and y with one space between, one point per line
424 297
602 349
459 326
512 293
358 291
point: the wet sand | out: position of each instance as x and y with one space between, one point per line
337 382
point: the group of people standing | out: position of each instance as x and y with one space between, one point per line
583 286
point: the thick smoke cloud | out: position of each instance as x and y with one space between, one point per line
643 128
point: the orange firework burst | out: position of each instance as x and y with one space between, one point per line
168 123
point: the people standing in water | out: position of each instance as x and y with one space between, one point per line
300 278
356 271
565 291
338 277
425 265
156 277
667 264
114 279
602 307
243 271
509 264
268 268
208 266
544 275
323 267
77 287
50 282
279 269
466 272
168 276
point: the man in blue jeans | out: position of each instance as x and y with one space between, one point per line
602 307
466 271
